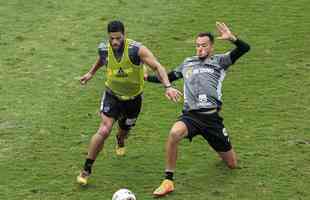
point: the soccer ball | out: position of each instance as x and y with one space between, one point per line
123 194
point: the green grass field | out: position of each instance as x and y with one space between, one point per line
47 117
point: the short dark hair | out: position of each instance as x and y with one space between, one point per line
207 34
116 26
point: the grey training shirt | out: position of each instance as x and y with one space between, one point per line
203 81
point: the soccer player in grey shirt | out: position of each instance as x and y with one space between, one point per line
203 75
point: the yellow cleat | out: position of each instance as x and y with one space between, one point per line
120 151
82 178
165 187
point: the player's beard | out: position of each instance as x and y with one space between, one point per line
118 47
203 57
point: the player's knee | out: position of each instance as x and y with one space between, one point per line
104 131
230 158
175 136
232 164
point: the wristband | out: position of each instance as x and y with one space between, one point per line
168 86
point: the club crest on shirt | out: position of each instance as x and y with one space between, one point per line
189 72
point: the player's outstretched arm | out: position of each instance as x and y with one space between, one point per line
226 34
86 77
149 59
172 76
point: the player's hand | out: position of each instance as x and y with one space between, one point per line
173 94
85 78
145 72
224 32
145 75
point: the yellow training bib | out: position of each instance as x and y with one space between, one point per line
124 78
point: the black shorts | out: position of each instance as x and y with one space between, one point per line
210 126
125 112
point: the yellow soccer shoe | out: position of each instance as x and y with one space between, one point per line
82 178
165 187
120 151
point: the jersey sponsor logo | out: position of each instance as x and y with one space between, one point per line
202 97
203 70
203 100
121 73
204 104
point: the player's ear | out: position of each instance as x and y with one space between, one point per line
212 47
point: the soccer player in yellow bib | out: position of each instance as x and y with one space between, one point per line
124 60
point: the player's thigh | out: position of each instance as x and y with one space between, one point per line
214 131
106 125
132 108
217 138
106 120
110 106
130 111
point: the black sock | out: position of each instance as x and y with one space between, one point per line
88 165
120 141
169 175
